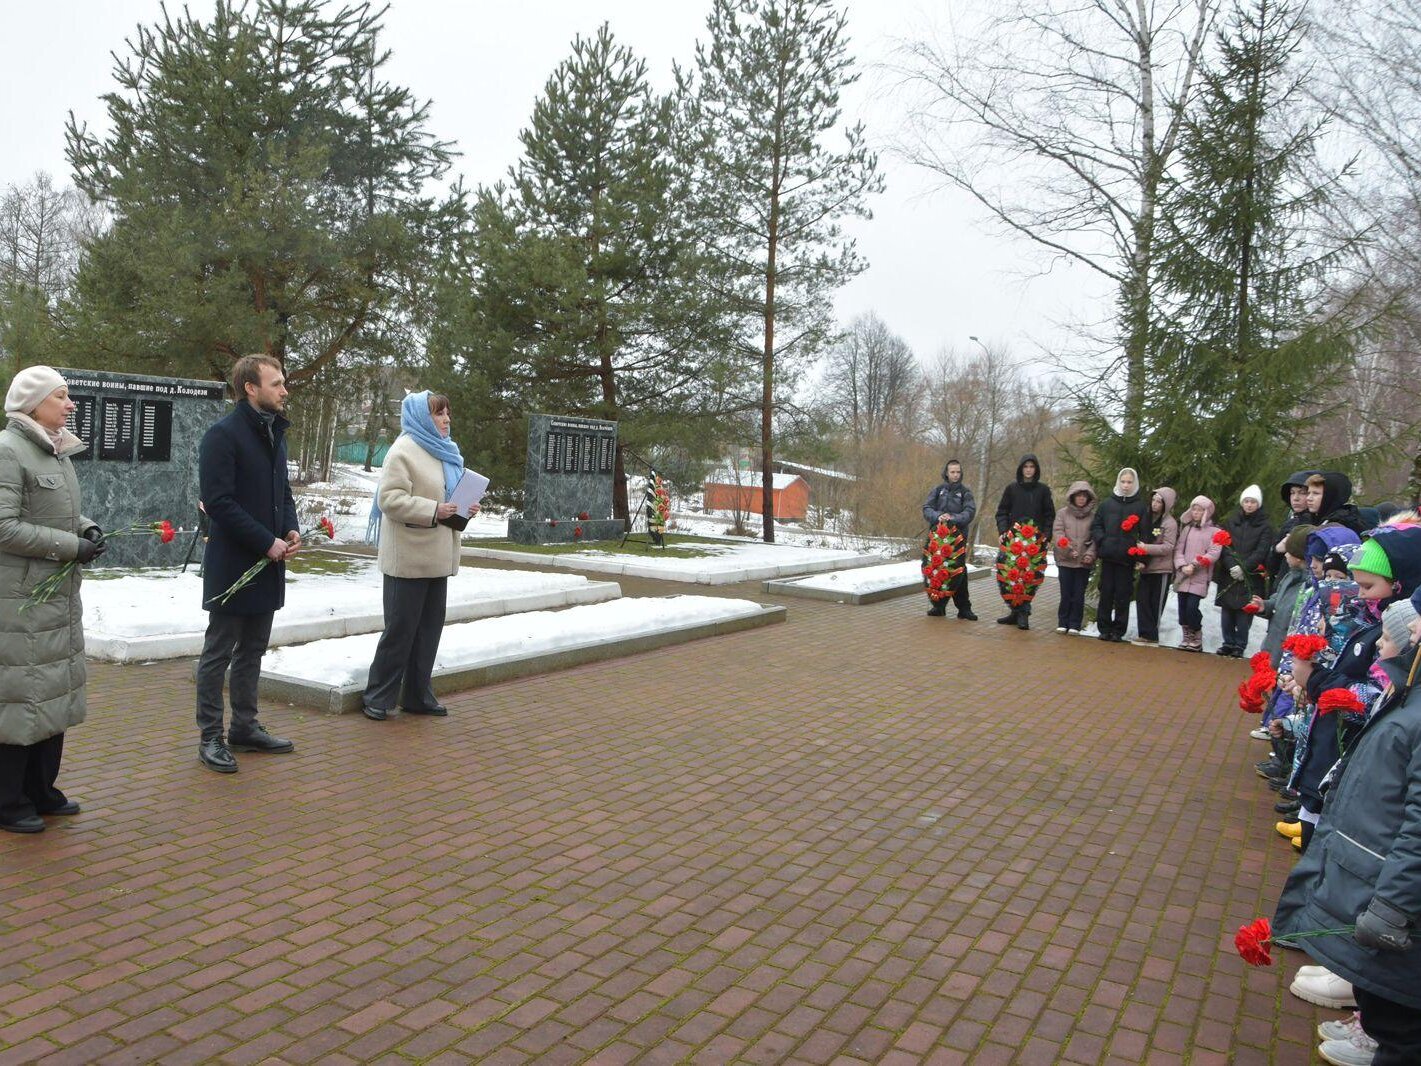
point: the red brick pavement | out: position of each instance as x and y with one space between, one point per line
861 836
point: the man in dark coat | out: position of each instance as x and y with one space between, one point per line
952 502
1025 500
244 489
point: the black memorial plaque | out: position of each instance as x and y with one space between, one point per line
589 454
570 453
116 429
551 453
81 423
606 452
155 431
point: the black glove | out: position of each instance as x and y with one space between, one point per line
93 533
89 550
1383 927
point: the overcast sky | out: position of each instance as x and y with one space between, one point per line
938 273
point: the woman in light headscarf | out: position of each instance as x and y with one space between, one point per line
42 644
418 532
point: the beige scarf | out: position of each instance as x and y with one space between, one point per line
60 441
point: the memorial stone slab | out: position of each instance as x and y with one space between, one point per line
141 461
568 472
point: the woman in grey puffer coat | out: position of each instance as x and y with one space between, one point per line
41 646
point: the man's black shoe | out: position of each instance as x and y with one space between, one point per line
375 714
258 739
215 755
967 616
32 823
1270 768
937 610
70 807
437 711
1009 620
1023 621
1287 807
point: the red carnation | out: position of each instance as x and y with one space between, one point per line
1028 530
1033 549
328 527
1131 521
1203 560
1260 660
1064 542
1251 608
577 531
1340 699
1252 941
1249 699
165 531
583 516
1304 645
1222 538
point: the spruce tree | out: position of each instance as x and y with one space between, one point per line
765 98
1250 335
268 192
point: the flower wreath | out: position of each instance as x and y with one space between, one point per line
944 561
1021 564
660 506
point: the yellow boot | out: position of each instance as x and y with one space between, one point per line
1292 830
1297 843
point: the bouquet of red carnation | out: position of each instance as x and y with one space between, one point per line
583 516
1251 608
1252 940
1021 565
1223 539
660 507
1137 551
1064 542
45 590
1340 700
1131 521
1253 693
325 529
944 561
1203 560
1304 645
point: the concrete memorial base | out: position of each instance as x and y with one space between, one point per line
529 531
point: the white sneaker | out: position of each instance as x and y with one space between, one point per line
1060 629
1342 1030
1311 971
1260 734
1325 989
1358 1050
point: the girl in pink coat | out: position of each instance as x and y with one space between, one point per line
1195 553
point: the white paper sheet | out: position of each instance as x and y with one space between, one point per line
469 491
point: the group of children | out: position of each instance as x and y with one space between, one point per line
1333 687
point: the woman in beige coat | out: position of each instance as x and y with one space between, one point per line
419 551
42 674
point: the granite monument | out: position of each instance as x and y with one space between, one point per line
568 474
141 462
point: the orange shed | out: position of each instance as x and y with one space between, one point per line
727 491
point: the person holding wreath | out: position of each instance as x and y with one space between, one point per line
953 504
1024 518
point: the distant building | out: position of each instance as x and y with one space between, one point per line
727 490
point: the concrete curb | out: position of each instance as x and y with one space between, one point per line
855 599
648 568
98 645
336 699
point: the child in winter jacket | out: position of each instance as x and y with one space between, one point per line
1120 522
1195 554
1242 570
1075 550
1156 565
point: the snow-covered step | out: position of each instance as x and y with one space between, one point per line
864 584
330 675
723 565
157 614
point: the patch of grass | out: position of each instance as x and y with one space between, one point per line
319 562
677 547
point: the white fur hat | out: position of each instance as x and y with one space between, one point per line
31 388
1253 492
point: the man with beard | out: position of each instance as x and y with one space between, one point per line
243 486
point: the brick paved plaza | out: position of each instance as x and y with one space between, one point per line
860 836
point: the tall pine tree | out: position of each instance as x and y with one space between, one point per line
765 98
268 193
1251 335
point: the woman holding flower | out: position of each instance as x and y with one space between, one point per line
418 533
42 644
1156 565
1242 572
1195 554
1120 523
1074 549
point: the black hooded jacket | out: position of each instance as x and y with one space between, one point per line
1112 540
951 500
1024 501
1336 508
1253 541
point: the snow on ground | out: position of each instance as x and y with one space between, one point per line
154 602
346 661
865 579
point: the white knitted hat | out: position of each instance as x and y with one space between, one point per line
31 388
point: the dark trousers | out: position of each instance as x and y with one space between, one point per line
1236 625
1190 617
1150 592
1395 1028
27 776
961 596
404 659
1070 614
1117 588
239 640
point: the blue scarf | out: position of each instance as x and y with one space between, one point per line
418 423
